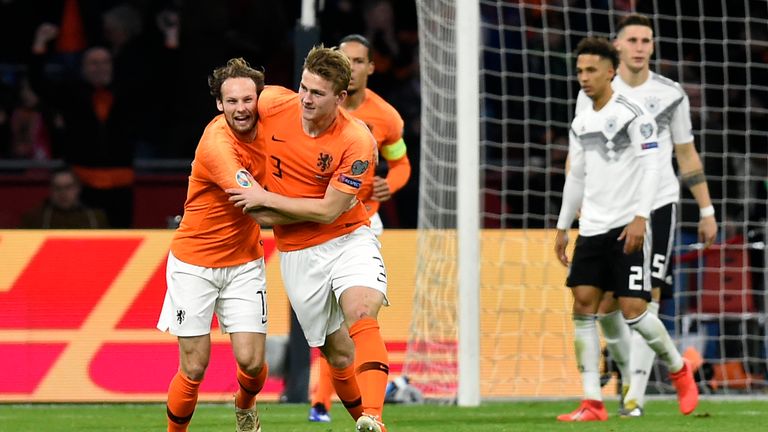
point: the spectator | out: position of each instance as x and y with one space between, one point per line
63 208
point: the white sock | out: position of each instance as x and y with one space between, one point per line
587 345
641 362
656 336
618 338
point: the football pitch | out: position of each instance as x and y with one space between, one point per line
710 416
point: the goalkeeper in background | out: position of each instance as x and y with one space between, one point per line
386 125
613 179
668 103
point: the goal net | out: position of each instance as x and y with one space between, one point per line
718 51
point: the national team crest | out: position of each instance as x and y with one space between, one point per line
244 178
652 103
646 130
610 125
324 161
359 167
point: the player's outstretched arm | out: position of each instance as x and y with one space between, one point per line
692 172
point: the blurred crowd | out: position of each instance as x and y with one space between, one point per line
103 84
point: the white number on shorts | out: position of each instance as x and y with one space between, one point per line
658 266
636 278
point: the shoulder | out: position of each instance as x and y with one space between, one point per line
628 105
666 83
353 129
381 105
275 98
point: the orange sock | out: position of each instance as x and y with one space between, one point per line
372 364
249 387
182 399
345 383
323 391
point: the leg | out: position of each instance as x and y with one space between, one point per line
361 306
248 348
320 403
642 357
194 353
641 360
618 337
339 350
587 346
656 336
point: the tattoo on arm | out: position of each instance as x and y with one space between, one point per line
693 178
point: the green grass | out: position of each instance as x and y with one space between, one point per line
711 416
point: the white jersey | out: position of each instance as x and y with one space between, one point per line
606 145
667 102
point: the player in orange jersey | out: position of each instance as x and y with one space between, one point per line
386 125
318 157
216 262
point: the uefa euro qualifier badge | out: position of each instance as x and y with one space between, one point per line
646 130
244 178
359 167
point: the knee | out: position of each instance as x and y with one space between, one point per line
251 367
194 369
341 360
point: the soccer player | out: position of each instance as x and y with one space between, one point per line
216 262
386 125
613 180
668 103
318 157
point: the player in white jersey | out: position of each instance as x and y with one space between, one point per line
613 179
668 103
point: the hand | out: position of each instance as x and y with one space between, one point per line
381 190
633 235
45 33
707 230
248 198
561 242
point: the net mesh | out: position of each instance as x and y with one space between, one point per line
718 52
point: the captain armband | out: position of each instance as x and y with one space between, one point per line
693 178
394 151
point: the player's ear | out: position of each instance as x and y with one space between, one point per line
220 105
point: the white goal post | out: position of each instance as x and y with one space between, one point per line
491 315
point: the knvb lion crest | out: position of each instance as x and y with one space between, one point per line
324 161
180 315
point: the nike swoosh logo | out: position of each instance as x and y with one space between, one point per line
274 138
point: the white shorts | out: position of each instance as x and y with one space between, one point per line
238 295
315 278
377 226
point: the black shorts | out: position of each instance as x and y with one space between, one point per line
600 261
663 223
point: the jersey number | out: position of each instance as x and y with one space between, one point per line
278 170
658 266
636 278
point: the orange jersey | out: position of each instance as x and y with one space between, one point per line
386 125
299 165
213 232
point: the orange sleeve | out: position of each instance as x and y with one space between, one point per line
399 173
219 159
357 161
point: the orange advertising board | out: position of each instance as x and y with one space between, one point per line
80 308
